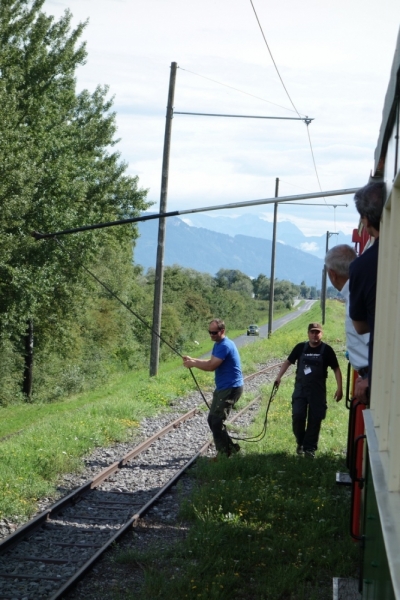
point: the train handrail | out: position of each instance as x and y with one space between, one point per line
355 480
348 399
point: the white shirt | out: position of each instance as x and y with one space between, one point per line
357 345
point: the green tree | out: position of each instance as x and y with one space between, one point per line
285 291
233 279
261 287
304 290
58 169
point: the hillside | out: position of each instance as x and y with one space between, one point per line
208 251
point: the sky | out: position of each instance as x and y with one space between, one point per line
334 58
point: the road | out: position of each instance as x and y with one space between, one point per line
244 339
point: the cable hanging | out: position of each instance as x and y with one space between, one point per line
114 295
261 435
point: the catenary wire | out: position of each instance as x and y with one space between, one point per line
238 90
272 58
287 93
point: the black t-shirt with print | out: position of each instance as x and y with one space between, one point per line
329 358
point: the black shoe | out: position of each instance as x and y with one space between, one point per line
299 450
236 447
309 453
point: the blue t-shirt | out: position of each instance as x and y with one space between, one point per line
229 373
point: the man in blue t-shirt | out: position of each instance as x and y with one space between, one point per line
225 362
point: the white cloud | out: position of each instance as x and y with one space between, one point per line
309 247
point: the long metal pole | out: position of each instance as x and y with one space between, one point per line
324 278
306 120
159 274
323 286
272 280
175 213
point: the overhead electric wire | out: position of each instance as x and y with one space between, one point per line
238 90
314 163
287 93
272 58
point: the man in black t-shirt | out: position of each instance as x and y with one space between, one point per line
363 275
309 397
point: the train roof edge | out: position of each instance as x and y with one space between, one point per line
389 112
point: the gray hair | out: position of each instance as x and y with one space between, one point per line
339 258
369 202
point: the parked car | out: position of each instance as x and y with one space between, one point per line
253 330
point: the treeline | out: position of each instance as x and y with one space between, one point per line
59 169
101 337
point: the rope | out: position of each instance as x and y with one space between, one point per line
114 295
261 435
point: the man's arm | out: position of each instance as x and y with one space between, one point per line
282 371
204 365
339 392
361 327
361 390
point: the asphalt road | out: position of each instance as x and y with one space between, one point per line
245 339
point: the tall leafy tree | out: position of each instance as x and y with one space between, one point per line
233 279
58 169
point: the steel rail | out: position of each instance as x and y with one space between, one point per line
72 497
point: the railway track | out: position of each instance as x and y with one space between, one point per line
47 556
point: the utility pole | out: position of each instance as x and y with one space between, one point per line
272 280
159 274
324 276
28 370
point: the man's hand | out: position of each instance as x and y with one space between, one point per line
361 390
338 395
188 361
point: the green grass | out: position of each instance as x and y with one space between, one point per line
265 524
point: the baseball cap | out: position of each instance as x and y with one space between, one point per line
314 326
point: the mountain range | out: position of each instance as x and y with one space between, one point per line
206 250
254 226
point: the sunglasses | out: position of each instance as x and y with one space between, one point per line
213 332
315 331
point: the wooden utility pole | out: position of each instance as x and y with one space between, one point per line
324 277
28 370
272 281
159 274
